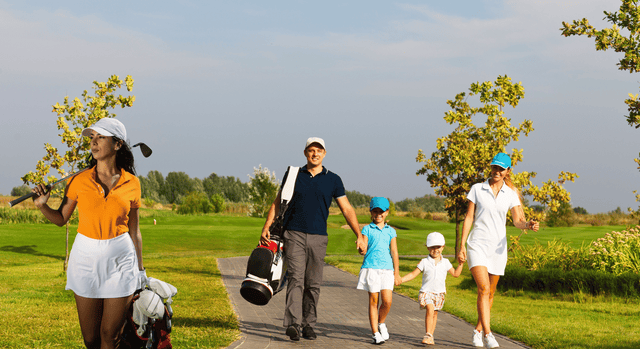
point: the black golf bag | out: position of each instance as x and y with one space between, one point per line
267 267
266 273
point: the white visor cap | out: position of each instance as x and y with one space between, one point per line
109 127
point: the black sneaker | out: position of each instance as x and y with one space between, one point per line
293 333
308 333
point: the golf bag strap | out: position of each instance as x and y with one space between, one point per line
289 185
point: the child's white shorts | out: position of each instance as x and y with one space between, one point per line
374 280
437 299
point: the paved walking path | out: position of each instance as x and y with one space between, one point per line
343 320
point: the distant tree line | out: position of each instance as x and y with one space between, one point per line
177 185
427 203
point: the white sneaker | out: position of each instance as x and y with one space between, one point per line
490 341
476 339
377 338
383 331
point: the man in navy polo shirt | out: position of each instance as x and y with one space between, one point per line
305 224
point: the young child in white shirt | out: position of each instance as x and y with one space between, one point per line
434 270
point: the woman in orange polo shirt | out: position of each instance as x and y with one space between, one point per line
105 264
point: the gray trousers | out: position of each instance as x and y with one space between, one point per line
305 262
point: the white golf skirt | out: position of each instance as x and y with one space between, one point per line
103 268
495 259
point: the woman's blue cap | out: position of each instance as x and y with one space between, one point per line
501 159
379 202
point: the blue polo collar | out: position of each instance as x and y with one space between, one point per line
373 225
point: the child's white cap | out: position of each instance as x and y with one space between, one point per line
435 239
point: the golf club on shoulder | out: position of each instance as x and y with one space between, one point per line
146 152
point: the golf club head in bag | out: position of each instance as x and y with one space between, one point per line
266 273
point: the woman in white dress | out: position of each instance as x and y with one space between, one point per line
486 248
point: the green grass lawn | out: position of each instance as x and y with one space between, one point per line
182 250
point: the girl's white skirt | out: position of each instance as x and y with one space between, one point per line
103 268
374 280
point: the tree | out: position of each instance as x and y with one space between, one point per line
427 203
231 188
357 199
580 210
462 158
73 117
152 187
20 191
628 19
563 217
263 189
177 185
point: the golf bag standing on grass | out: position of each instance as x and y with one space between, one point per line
267 266
148 323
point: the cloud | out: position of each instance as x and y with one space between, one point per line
52 44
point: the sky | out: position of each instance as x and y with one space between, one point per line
226 86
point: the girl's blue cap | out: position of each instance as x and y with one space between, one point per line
379 202
501 159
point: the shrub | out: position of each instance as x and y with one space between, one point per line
20 191
554 280
563 217
14 216
195 202
217 200
555 254
617 252
148 202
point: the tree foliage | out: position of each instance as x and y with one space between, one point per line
627 42
357 199
178 184
230 187
427 203
462 158
73 117
194 203
263 188
20 191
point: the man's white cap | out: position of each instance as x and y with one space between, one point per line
435 239
109 127
312 140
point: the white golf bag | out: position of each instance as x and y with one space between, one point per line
267 266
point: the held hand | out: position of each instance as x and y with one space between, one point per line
462 254
361 244
398 280
265 238
42 195
533 225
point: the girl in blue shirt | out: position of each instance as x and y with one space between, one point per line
380 270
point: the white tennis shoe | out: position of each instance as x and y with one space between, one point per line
377 338
383 331
490 341
476 339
